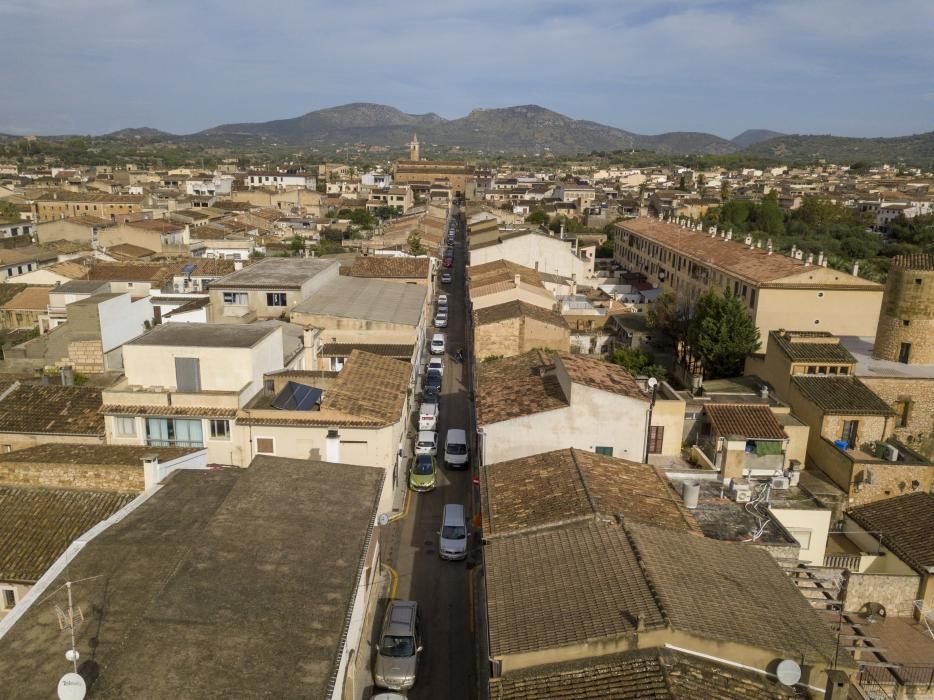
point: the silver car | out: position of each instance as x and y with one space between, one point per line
399 647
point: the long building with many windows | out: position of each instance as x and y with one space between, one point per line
780 291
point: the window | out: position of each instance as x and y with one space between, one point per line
656 438
265 446
174 432
906 322
220 429
850 433
608 451
9 598
844 370
802 534
903 410
918 280
275 299
235 298
188 374
904 352
125 426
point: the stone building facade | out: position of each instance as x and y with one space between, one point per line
906 324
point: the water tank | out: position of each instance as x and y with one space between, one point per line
690 492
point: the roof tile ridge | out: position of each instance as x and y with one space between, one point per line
583 479
647 575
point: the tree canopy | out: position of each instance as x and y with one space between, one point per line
721 334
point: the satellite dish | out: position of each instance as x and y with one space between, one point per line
383 519
788 672
71 687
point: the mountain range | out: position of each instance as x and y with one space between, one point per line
528 129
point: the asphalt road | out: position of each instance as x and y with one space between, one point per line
443 589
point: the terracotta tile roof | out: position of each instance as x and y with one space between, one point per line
554 588
753 264
752 421
128 251
916 261
599 374
904 523
33 298
67 196
50 409
370 386
731 592
518 309
141 410
37 525
345 349
501 271
517 386
61 453
811 346
645 674
554 487
841 395
88 220
389 267
129 272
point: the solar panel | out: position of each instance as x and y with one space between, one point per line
297 397
189 268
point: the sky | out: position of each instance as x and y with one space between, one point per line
846 67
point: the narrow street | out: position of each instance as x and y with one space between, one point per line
443 589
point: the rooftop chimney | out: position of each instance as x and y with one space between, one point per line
769 245
518 279
150 470
810 260
838 685
728 235
747 240
332 447
856 269
820 258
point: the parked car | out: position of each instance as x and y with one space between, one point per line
452 537
400 644
437 344
432 384
423 474
441 320
428 416
433 398
426 443
448 262
446 278
436 364
456 453
442 300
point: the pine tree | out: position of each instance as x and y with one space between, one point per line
721 334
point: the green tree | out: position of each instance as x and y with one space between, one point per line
297 244
724 191
414 245
667 315
8 210
770 217
638 362
721 334
538 217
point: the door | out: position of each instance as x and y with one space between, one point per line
904 351
850 432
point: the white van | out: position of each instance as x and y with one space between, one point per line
428 416
456 453
426 443
452 537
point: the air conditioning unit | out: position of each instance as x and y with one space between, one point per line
890 453
740 491
780 483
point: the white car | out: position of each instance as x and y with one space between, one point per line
426 443
428 416
437 346
441 321
437 364
442 300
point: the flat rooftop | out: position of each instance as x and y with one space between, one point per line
274 273
367 299
868 366
224 583
205 335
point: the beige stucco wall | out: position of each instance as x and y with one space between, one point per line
544 253
669 414
815 520
20 441
531 295
20 592
335 329
838 311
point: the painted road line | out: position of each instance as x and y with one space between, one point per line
395 581
405 510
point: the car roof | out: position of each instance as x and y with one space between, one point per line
423 458
427 435
453 511
437 336
454 433
400 618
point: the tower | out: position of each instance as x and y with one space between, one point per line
906 324
413 148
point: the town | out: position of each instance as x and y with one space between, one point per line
446 429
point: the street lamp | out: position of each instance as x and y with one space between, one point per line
653 385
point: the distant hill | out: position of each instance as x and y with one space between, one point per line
751 136
143 132
917 149
525 128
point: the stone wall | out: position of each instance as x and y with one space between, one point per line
121 478
889 479
895 591
85 356
918 392
909 297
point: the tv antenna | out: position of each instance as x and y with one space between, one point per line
71 686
